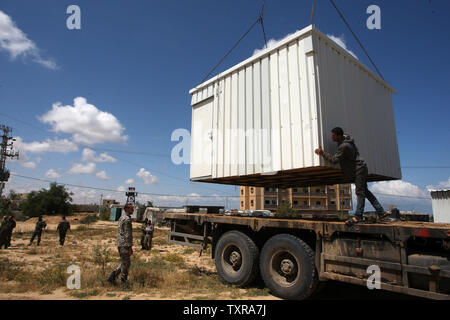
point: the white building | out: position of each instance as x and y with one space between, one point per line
440 200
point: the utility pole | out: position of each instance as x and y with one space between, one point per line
6 151
100 205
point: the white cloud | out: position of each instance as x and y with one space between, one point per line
399 188
16 43
121 188
339 40
443 185
342 43
84 196
147 176
90 156
52 174
401 194
196 199
29 164
271 43
79 168
102 175
129 181
85 122
49 145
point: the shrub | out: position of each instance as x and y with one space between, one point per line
285 210
53 276
8 270
343 215
82 228
175 258
104 214
102 256
89 219
54 201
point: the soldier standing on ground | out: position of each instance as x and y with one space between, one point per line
63 227
147 243
40 225
144 224
124 245
11 226
4 232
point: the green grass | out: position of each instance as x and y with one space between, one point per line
189 251
80 294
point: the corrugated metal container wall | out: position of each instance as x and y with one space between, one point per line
266 116
352 98
440 201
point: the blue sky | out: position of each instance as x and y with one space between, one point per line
137 60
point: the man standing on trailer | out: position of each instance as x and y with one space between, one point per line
354 168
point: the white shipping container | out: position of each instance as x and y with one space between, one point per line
440 201
259 122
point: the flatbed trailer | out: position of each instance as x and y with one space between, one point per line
296 256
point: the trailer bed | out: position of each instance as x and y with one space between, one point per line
413 257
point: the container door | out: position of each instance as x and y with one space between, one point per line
201 139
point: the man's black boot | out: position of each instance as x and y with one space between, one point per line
112 278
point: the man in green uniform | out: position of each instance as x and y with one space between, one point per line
4 229
11 226
62 228
124 245
144 224
40 225
148 236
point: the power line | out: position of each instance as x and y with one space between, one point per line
191 196
117 191
121 159
165 155
81 145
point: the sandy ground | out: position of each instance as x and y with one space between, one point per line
40 257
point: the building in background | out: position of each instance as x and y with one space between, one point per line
335 197
109 202
440 201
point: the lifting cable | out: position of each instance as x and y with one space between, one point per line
312 12
258 20
354 35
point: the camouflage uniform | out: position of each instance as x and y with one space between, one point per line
11 226
124 244
38 231
63 227
148 236
144 224
4 227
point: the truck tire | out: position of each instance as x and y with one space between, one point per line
287 267
236 258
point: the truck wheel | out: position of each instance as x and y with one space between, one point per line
287 267
236 258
